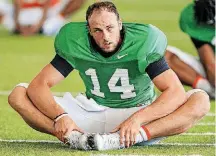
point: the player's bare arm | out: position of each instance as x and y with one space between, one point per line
40 94
207 57
166 103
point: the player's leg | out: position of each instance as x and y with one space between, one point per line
189 70
20 102
5 8
52 25
177 122
207 57
6 15
181 69
196 106
54 20
87 115
58 14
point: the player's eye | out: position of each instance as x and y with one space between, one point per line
110 28
97 30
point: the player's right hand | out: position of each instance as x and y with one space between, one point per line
64 126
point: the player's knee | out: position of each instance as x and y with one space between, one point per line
184 128
202 105
16 97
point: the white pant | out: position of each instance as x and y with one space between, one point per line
190 60
92 117
31 16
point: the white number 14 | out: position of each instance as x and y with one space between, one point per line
125 88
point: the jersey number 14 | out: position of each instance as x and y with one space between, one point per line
120 74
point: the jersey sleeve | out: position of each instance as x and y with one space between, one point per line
154 48
62 47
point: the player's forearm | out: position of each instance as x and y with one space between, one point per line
171 99
42 98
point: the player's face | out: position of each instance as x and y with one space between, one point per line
105 28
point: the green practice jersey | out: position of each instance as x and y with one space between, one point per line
188 24
119 81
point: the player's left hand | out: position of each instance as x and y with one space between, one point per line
129 129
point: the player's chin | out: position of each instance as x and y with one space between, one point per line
109 50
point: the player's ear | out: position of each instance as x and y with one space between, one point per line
120 24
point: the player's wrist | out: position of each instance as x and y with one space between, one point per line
137 118
58 117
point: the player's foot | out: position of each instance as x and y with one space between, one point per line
74 140
87 141
107 141
212 94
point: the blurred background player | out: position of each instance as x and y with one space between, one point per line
198 21
29 17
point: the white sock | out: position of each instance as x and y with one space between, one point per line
143 135
202 83
144 132
139 138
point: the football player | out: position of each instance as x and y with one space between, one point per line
119 64
29 17
198 21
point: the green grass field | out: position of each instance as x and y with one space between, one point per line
22 58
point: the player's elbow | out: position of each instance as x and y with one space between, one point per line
31 89
35 87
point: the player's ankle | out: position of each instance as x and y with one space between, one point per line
145 133
202 83
197 81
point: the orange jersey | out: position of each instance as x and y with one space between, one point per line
37 3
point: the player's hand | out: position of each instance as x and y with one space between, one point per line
64 126
129 129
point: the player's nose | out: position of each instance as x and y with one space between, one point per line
106 36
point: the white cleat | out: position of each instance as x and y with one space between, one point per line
107 141
74 140
86 141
